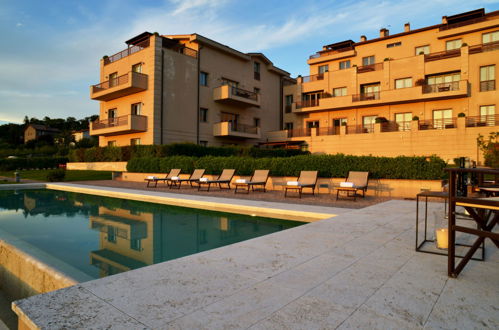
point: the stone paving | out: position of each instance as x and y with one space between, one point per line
356 270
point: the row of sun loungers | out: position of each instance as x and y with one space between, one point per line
354 183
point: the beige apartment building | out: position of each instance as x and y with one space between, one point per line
186 88
418 83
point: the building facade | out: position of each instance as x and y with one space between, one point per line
418 92
35 131
186 88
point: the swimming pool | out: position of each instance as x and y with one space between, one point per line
102 236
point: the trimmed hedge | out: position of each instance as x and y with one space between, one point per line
418 168
34 162
112 154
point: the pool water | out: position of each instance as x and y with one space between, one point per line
101 236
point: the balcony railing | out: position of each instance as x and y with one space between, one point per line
489 85
307 103
444 123
442 55
484 120
360 129
243 93
117 121
442 87
490 46
314 77
299 132
121 80
370 68
333 130
365 97
129 51
330 52
243 128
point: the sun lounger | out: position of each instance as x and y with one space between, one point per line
356 181
259 178
174 172
224 178
307 179
194 178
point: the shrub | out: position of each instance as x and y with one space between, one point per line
461 114
490 148
56 175
415 118
34 162
328 165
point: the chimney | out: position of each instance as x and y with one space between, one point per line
384 33
407 27
363 38
444 19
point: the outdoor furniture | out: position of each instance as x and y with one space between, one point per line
174 172
224 178
259 178
484 211
307 179
194 178
356 181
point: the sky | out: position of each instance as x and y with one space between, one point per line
50 50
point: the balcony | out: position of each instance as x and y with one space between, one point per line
229 129
489 85
442 55
439 88
236 96
370 68
488 47
130 83
365 97
481 121
119 125
444 123
129 51
313 77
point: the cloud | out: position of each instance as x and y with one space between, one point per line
185 5
19 24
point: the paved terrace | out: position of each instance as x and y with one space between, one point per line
356 270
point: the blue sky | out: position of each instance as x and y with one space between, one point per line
51 49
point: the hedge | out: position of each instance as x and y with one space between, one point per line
28 163
419 168
111 154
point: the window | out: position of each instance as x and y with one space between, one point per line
256 90
136 244
203 115
111 143
256 70
113 79
403 121
229 82
490 37
368 60
137 68
344 65
203 143
442 118
442 83
423 50
337 123
310 125
288 103
487 115
288 126
311 99
487 78
453 44
135 142
340 91
395 44
368 123
369 92
323 69
111 113
136 109
111 234
403 83
203 78
256 122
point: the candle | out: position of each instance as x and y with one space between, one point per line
442 238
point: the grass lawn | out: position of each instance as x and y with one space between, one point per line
41 175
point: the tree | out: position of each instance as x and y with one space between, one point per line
490 148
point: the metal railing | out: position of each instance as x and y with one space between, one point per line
487 47
243 128
332 130
459 24
307 103
393 126
444 123
299 132
236 91
484 120
129 51
370 67
365 97
314 77
442 55
360 129
329 52
121 80
442 87
117 121
489 85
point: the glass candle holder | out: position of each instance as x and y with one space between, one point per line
441 231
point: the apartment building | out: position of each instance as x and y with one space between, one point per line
400 94
186 88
